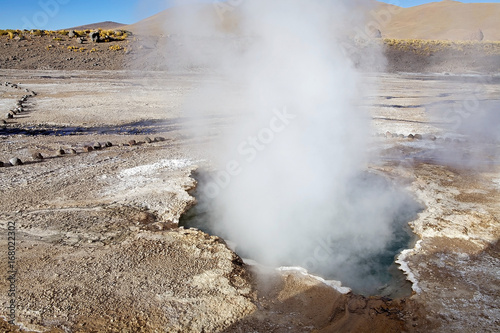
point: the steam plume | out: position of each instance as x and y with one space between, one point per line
290 187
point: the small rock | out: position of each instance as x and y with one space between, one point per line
72 151
87 149
357 305
97 146
132 143
145 217
148 140
10 115
37 156
402 136
1 164
61 152
109 144
411 137
388 134
3 122
375 33
15 161
418 136
71 34
159 139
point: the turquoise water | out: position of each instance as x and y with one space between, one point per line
367 273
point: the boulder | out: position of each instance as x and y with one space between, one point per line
15 161
72 34
95 37
37 156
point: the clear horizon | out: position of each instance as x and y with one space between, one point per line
61 14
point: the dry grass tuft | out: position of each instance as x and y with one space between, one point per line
429 47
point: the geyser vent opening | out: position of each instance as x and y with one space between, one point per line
360 254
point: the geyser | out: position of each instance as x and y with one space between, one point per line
357 245
284 188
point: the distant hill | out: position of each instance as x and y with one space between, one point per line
171 20
444 20
107 25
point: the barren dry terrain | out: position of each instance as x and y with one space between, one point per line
98 249
99 161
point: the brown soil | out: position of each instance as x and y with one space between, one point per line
45 52
159 53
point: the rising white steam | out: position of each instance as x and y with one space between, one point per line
289 187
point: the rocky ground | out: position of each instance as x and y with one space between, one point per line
98 250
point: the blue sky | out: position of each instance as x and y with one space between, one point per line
411 3
60 14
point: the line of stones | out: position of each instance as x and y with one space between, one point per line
429 137
20 107
37 156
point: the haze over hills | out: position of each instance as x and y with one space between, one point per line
445 20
